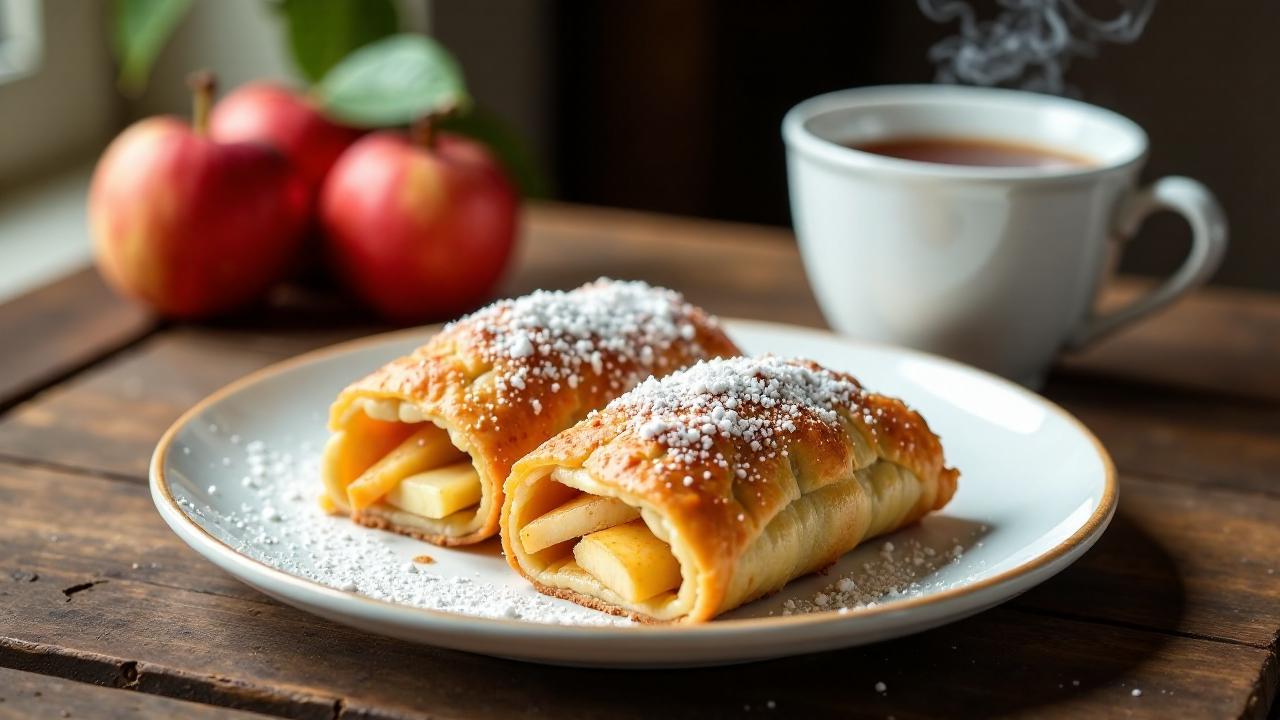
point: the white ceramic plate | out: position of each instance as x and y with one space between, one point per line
1036 490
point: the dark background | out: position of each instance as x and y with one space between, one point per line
675 105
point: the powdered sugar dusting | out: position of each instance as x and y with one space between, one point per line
757 400
284 527
906 569
609 331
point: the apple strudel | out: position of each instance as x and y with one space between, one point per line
691 495
423 445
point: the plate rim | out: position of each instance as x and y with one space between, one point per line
429 618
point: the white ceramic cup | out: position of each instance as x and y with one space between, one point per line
995 266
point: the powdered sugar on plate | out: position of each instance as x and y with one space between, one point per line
281 524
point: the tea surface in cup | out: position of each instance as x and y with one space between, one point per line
973 151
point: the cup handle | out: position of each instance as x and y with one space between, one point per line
1191 200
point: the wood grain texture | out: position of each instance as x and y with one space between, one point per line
25 695
1147 611
109 418
994 664
51 332
1219 340
1183 435
1182 560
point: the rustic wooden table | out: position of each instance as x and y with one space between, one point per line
104 612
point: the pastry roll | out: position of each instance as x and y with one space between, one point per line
691 495
423 445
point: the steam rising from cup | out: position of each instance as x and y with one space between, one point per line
1030 44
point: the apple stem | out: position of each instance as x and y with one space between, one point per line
423 131
202 84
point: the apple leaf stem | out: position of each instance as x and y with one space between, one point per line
203 84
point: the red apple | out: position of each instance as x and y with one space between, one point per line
418 229
191 226
288 121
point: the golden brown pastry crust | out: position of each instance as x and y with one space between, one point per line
458 381
718 516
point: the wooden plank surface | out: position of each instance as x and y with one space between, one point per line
1179 559
187 620
1183 435
1220 340
26 695
1180 598
57 329
80 423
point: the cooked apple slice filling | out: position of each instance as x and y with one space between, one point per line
616 547
629 560
425 449
425 474
580 516
437 493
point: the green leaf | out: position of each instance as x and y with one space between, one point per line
142 27
505 143
323 32
394 81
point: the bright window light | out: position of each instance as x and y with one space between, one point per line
20 38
